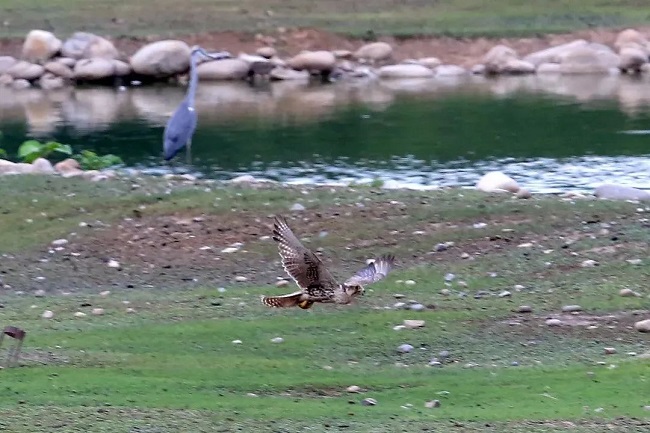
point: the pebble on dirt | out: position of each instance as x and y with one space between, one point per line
368 402
642 325
525 309
240 279
405 348
353 388
97 311
277 340
610 350
553 322
571 308
47 314
432 403
297 207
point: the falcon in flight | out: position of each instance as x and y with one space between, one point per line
315 282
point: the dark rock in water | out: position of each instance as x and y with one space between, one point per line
620 192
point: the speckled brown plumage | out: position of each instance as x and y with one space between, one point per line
315 281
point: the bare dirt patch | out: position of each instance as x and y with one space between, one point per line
579 324
461 51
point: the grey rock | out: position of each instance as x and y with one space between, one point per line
368 402
571 308
620 192
405 348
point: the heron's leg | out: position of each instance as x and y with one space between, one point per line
188 152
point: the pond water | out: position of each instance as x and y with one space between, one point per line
550 133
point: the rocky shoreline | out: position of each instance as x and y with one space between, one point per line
48 62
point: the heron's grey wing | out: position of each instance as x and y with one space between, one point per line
299 262
373 272
179 130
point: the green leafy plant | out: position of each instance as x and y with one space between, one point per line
89 160
31 150
3 153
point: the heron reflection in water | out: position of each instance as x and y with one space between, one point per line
181 125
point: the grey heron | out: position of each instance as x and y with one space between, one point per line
181 125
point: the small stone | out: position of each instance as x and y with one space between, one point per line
505 294
610 350
236 342
417 307
277 340
105 293
297 207
47 314
449 277
464 256
399 305
368 402
251 394
525 309
405 348
441 247
514 364
553 322
523 193
230 250
113 264
435 363
634 261
409 282
97 311
413 324
398 296
281 283
59 242
445 292
79 314
589 263
444 354
130 310
629 293
240 279
40 293
432 404
647 407
398 327
642 325
353 388
571 308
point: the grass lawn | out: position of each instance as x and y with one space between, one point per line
162 359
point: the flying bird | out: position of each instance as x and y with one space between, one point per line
182 124
315 281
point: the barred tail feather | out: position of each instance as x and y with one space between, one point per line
284 301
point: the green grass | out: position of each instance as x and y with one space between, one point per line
401 18
170 364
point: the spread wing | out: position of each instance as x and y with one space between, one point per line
372 273
299 262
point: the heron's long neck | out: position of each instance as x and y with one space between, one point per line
194 81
